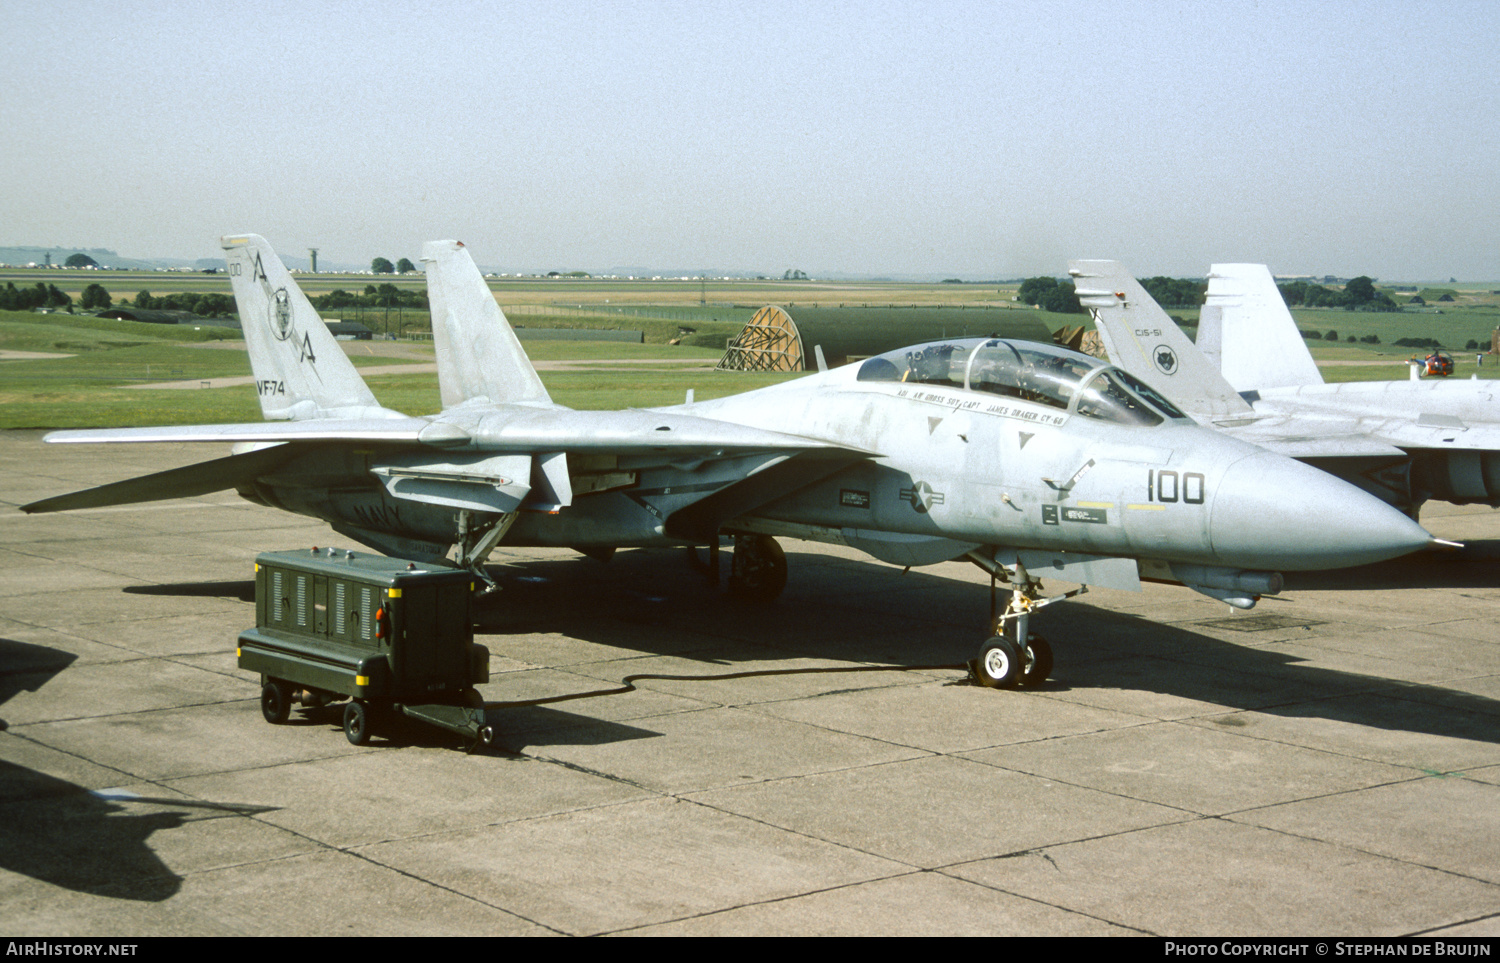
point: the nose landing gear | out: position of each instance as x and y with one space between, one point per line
1013 656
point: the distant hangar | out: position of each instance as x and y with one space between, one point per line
783 339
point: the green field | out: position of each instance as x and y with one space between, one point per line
89 389
80 402
25 331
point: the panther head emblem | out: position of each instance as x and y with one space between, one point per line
281 314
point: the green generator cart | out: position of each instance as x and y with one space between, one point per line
388 634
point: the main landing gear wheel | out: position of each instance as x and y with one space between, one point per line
276 701
357 723
758 571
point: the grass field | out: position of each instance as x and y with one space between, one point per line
90 389
719 308
78 402
25 331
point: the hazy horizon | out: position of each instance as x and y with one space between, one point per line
973 140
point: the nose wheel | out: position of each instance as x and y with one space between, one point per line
1001 665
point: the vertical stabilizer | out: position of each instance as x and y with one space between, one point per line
479 357
1143 340
300 370
1260 344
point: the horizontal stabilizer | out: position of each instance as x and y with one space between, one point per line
186 482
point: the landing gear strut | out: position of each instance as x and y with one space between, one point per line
1013 656
476 541
709 567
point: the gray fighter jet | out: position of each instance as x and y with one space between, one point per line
1026 459
1251 376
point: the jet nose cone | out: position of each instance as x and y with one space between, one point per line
1274 513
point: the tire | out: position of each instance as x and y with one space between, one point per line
999 665
758 570
276 702
357 723
1037 662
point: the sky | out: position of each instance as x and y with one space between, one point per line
971 140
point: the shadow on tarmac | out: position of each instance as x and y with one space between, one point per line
651 602
242 590
518 728
1476 565
645 602
60 833
93 842
26 667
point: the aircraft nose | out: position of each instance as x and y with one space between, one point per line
1274 513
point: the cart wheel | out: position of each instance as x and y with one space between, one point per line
357 723
275 702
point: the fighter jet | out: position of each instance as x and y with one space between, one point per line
1251 376
1028 460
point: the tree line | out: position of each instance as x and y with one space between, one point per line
203 305
96 298
1357 295
29 299
1061 297
384 296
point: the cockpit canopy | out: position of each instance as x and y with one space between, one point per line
1039 373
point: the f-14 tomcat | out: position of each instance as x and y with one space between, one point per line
1026 459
